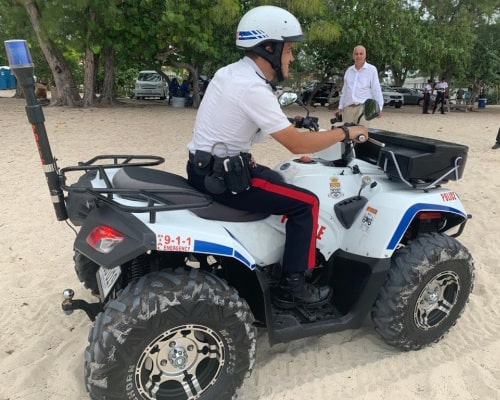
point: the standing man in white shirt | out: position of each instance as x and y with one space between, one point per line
427 96
361 83
441 94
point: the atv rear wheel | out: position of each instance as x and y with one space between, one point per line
172 335
86 270
425 293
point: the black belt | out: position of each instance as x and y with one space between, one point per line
191 155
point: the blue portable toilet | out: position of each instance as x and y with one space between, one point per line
12 80
3 78
7 79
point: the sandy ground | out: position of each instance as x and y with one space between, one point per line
41 349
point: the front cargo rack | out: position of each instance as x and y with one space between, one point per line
418 162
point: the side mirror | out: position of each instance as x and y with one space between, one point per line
287 98
371 109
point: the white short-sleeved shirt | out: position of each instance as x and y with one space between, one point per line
441 86
361 85
239 109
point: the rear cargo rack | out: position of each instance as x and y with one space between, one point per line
127 160
155 200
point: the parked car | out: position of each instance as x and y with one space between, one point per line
391 97
411 96
321 96
150 84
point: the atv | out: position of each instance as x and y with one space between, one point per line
182 283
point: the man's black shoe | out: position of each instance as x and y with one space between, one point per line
496 146
294 291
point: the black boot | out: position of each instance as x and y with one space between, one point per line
294 291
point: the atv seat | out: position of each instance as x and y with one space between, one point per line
139 178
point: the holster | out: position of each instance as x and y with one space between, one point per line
223 173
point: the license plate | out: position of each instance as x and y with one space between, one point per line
108 278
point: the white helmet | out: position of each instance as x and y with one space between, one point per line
268 24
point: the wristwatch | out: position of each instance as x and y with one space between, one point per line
347 138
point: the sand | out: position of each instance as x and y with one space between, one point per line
41 348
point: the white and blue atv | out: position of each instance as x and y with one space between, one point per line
182 282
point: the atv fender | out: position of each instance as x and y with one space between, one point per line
180 232
380 226
137 237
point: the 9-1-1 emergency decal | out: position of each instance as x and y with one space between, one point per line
173 243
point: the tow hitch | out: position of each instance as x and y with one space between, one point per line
69 305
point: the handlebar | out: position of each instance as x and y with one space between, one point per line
311 123
362 139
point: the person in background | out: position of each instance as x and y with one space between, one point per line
184 88
427 96
239 109
441 94
173 89
361 83
186 93
497 143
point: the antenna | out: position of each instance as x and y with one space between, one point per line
22 66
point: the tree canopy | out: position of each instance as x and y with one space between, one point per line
103 45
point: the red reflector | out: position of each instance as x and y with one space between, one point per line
104 238
429 215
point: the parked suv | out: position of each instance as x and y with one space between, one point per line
150 84
392 98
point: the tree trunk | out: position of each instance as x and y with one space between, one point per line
107 95
89 66
67 92
476 90
88 78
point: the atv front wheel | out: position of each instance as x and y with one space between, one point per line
171 335
425 293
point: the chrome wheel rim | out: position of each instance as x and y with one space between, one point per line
181 363
436 300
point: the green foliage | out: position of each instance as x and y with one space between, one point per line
458 38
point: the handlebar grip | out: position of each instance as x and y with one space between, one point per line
362 138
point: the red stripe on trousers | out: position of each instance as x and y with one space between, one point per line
298 195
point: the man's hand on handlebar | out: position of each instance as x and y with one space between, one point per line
358 133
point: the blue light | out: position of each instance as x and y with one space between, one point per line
18 53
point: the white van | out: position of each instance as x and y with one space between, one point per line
150 84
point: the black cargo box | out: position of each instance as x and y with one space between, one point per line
414 159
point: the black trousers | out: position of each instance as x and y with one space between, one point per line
427 98
269 194
439 99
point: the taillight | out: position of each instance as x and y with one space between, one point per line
429 215
104 239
